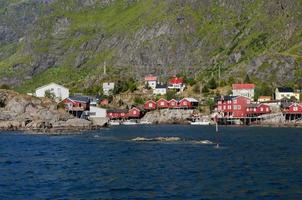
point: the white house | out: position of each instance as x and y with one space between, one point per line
60 92
96 112
151 81
160 89
286 92
246 90
176 83
107 87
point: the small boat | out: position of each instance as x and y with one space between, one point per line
200 121
204 123
145 122
114 123
129 123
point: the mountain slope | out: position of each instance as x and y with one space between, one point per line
68 41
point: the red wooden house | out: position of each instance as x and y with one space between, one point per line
77 103
232 106
162 103
292 108
150 105
257 109
173 104
117 114
134 113
189 103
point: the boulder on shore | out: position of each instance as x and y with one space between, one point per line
168 116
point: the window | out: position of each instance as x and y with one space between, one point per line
150 105
134 112
261 109
219 107
247 109
162 103
295 108
239 107
235 101
267 109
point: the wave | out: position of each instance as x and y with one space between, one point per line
203 142
157 139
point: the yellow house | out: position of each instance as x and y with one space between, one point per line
286 92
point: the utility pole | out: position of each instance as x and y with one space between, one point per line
105 68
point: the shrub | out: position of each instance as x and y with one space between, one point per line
139 101
4 86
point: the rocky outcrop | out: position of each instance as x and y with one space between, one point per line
23 112
168 116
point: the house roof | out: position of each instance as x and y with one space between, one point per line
285 89
225 98
136 108
52 84
243 86
151 101
161 86
265 97
79 99
176 80
190 100
253 105
117 111
295 104
150 78
162 99
173 100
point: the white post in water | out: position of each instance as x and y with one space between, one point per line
217 131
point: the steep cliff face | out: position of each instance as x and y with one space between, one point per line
68 41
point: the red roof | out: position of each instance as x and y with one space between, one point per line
150 78
176 80
242 86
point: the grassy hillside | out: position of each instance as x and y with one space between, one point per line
72 39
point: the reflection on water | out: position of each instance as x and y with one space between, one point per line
153 162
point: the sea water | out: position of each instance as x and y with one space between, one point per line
250 163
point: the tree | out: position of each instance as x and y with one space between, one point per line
212 84
247 79
205 89
263 89
294 99
171 94
49 94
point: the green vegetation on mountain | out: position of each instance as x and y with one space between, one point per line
69 41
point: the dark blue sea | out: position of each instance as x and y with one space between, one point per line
251 163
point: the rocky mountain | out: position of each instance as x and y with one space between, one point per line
69 41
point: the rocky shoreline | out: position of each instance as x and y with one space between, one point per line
19 112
